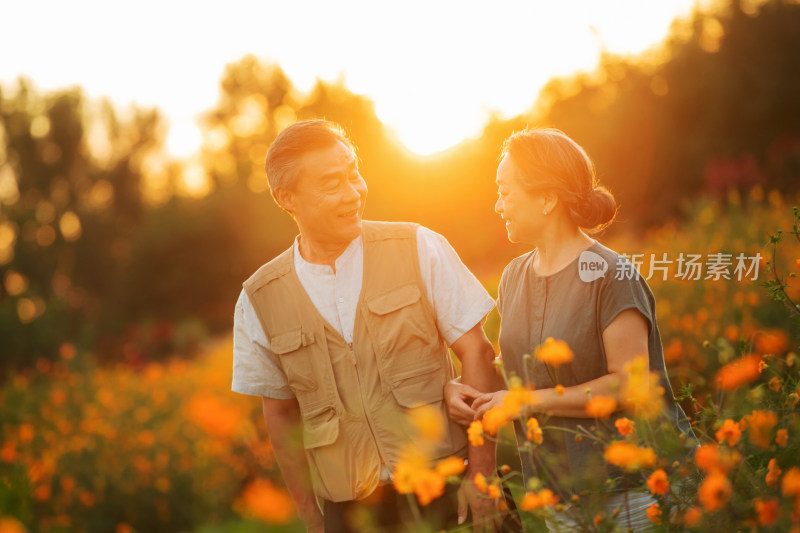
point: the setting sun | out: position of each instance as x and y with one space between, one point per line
435 71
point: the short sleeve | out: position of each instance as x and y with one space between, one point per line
622 292
457 297
255 368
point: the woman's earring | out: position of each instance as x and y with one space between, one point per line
544 212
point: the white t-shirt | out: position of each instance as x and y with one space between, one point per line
457 297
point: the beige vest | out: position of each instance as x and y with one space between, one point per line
355 399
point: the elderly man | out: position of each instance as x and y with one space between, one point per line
346 333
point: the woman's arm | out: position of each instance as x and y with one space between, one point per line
624 339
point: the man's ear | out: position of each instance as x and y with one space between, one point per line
285 199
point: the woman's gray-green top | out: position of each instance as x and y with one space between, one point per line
575 305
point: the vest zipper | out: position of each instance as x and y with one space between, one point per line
351 353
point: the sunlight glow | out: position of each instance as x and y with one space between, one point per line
435 70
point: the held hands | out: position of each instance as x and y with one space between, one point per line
459 398
486 401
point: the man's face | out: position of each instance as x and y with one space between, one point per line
329 195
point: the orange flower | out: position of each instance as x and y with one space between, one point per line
628 456
494 419
654 513
428 486
692 516
451 466
518 396
413 475
773 341
560 390
710 457
534 431
782 438
480 482
773 473
601 406
658 482
554 352
625 426
642 392
494 492
532 501
216 417
729 432
428 422
266 502
475 433
26 433
774 384
768 511
715 491
759 426
11 525
738 372
790 485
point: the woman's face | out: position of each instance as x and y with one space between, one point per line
520 209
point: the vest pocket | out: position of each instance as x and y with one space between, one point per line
292 348
420 386
401 328
394 300
320 428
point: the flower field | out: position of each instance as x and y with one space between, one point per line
167 446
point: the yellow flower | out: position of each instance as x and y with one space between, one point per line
533 501
475 433
480 482
413 475
494 419
642 391
601 406
518 396
534 431
452 466
494 492
554 353
628 456
428 422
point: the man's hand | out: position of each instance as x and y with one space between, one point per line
486 514
282 418
458 398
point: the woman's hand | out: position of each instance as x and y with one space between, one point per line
458 398
486 401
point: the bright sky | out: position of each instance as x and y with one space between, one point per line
435 69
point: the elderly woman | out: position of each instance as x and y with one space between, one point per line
571 288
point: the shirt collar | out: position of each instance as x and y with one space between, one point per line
349 253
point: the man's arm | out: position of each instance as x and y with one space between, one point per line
283 425
477 371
